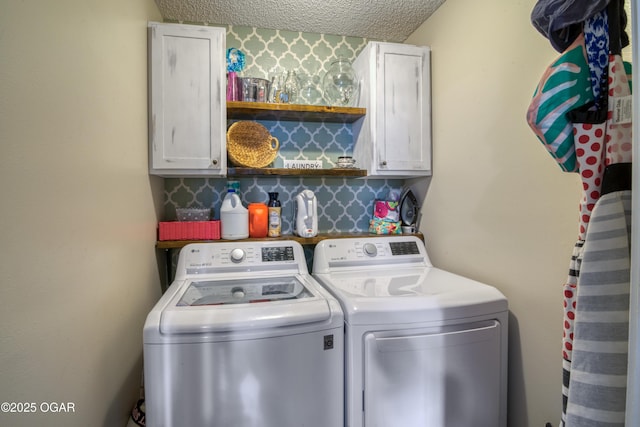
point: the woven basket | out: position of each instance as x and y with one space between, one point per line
250 144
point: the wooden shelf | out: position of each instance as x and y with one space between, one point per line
177 244
293 112
336 172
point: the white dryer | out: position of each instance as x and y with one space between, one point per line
423 347
244 337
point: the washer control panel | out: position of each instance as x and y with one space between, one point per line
206 258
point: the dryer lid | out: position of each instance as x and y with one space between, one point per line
410 295
239 304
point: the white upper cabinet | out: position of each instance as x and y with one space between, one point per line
187 117
394 138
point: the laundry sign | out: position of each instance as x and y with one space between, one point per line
303 164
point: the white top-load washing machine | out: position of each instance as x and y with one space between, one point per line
423 347
244 337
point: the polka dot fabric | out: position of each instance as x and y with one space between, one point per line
589 141
597 146
570 316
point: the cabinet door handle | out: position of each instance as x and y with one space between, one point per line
383 163
214 162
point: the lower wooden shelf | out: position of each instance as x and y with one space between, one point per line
177 244
335 172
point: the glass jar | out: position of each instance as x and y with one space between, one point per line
340 84
276 78
290 88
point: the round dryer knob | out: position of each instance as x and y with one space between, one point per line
370 249
237 255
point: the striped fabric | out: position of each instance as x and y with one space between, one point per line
598 371
569 318
564 86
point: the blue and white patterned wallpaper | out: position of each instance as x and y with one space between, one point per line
344 204
268 51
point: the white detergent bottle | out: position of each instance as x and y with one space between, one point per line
234 218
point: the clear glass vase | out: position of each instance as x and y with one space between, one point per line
275 87
340 84
310 93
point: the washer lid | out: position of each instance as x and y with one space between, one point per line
410 295
236 304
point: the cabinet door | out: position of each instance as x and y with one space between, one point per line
187 100
403 121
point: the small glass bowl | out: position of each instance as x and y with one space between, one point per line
346 162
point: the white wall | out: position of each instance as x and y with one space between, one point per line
498 208
78 272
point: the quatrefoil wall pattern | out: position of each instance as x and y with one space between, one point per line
343 204
270 51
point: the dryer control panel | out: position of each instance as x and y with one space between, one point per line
374 251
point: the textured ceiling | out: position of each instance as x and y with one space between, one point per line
389 20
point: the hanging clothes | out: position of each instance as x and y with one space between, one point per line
596 293
592 360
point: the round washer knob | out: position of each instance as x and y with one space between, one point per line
370 249
237 293
237 255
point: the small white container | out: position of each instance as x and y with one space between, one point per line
234 218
